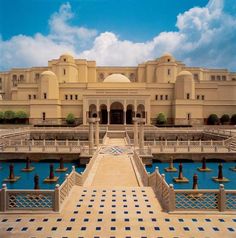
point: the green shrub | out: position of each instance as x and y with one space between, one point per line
161 119
70 119
21 115
213 119
233 119
1 117
9 115
225 119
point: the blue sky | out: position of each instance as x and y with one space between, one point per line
118 32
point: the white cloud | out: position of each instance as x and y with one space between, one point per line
205 36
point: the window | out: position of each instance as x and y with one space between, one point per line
188 95
218 77
66 97
156 97
29 96
14 80
76 97
64 59
233 79
34 96
0 83
166 97
161 97
213 77
203 97
45 95
64 71
198 97
195 76
224 78
36 77
21 78
0 80
168 60
168 71
71 97
189 116
44 116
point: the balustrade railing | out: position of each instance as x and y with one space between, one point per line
191 199
141 168
38 200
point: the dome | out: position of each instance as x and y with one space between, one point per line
167 55
185 73
116 78
67 54
47 73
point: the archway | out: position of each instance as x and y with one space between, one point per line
141 111
129 114
92 110
103 114
116 113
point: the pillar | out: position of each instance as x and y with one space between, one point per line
135 121
124 112
108 117
91 121
141 133
97 120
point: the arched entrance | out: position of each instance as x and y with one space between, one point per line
141 111
116 113
92 110
103 114
129 114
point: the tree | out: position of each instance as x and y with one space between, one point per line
212 119
225 119
161 119
9 116
233 119
70 119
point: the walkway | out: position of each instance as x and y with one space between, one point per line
113 166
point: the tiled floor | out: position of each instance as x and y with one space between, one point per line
119 212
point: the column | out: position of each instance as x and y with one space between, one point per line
141 133
97 120
91 121
108 117
124 112
135 121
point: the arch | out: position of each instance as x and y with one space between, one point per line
140 111
117 113
92 110
129 113
103 114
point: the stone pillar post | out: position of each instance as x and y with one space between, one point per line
56 207
97 120
141 133
135 121
91 121
222 198
171 198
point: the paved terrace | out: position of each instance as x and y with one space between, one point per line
113 203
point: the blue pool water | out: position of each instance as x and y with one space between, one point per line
204 178
26 180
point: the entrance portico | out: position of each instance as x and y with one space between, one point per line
114 110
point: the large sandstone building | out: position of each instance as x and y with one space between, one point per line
186 95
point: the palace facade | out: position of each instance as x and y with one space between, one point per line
186 95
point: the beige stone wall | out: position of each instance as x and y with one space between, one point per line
160 84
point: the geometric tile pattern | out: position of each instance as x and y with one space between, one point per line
115 212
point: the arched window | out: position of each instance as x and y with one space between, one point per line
21 79
14 80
